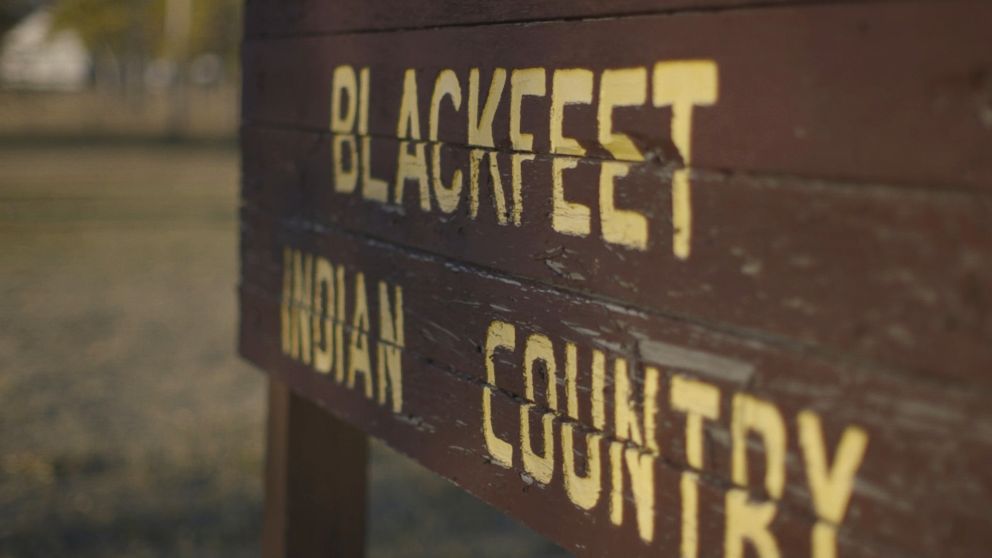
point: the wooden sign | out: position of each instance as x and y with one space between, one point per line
656 280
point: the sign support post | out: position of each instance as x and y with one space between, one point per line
315 481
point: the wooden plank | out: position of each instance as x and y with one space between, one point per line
927 442
277 17
276 449
716 283
848 92
315 482
879 273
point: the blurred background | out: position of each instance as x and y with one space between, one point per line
128 425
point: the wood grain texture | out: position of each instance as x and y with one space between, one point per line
928 441
847 92
870 272
276 449
278 17
840 266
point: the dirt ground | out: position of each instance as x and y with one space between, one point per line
128 426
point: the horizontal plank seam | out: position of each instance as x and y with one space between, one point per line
667 169
685 10
633 357
715 480
853 361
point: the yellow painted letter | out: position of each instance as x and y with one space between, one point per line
569 87
640 462
446 86
830 487
303 295
344 101
747 520
288 325
480 126
523 82
480 133
620 88
541 467
358 352
323 315
411 166
699 401
389 348
583 491
500 335
683 84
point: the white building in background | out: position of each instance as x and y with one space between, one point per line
32 57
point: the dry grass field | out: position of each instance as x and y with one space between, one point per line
128 426
212 113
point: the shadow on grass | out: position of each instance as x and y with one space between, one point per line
185 514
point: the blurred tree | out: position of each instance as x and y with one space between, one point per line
216 27
138 27
109 24
125 36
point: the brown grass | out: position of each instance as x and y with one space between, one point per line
212 113
128 426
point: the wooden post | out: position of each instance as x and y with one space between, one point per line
315 481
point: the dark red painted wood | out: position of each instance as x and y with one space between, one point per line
896 92
301 17
870 272
841 261
920 431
